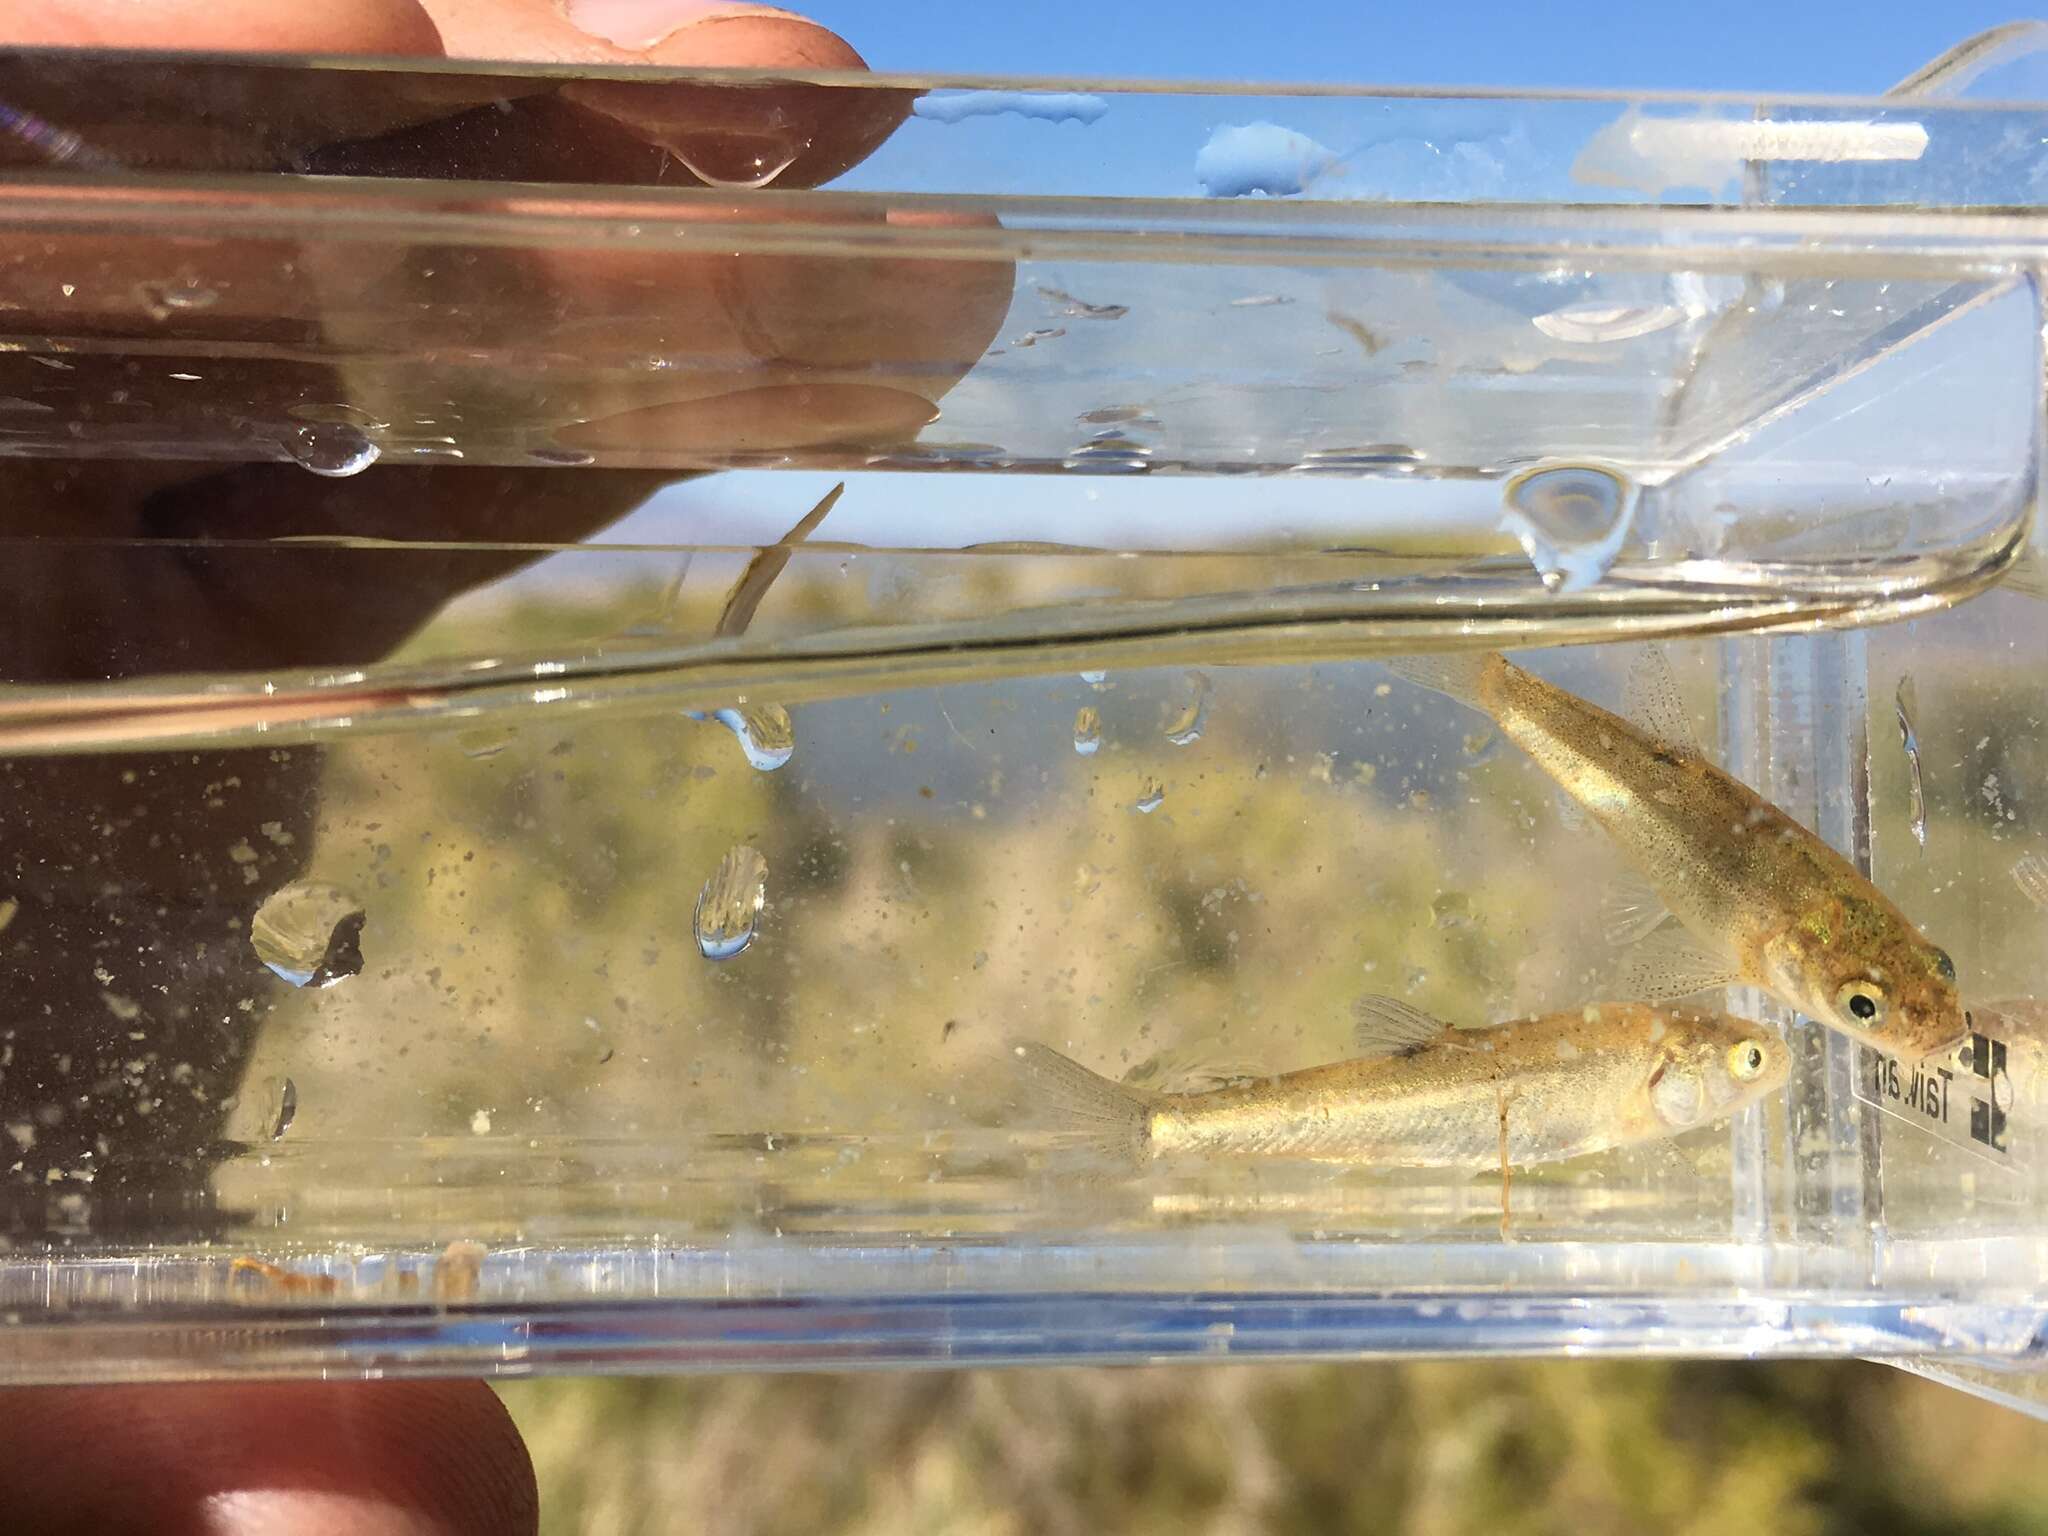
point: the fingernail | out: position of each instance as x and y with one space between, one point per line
641 24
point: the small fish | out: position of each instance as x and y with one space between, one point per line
1766 903
1426 1095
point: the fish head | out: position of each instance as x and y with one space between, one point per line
1709 1065
1863 969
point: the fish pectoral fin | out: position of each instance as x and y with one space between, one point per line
1631 910
1650 698
1671 964
2027 575
1675 1157
1190 1069
1386 1026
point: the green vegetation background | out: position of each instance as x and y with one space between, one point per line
1495 1448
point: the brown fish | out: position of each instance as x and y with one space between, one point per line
1766 902
1426 1095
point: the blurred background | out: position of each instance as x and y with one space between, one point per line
1494 1447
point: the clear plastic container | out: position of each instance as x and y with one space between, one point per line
474 903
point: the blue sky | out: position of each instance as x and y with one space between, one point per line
1735 46
1623 44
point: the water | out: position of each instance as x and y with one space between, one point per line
1232 449
729 907
310 934
765 733
1570 519
1087 730
1184 728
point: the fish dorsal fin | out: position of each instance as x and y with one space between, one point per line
1386 1026
1190 1069
1670 964
1650 699
1631 909
745 599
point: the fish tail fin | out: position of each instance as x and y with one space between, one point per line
1455 674
1084 1109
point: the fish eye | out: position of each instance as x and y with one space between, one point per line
1944 967
1862 1001
1746 1061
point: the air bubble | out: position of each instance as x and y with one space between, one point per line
729 906
572 458
309 934
1153 796
1451 909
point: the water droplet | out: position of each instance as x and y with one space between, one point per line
1093 679
177 295
1185 728
1260 301
1118 416
485 741
1110 453
1069 305
287 1110
2030 874
1607 322
739 161
1033 338
334 449
1451 909
1570 519
1416 979
729 906
573 458
763 731
309 934
1906 701
1087 730
1373 459
480 1123
1153 796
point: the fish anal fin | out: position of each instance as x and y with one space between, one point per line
1650 698
1386 1026
1631 910
1669 965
